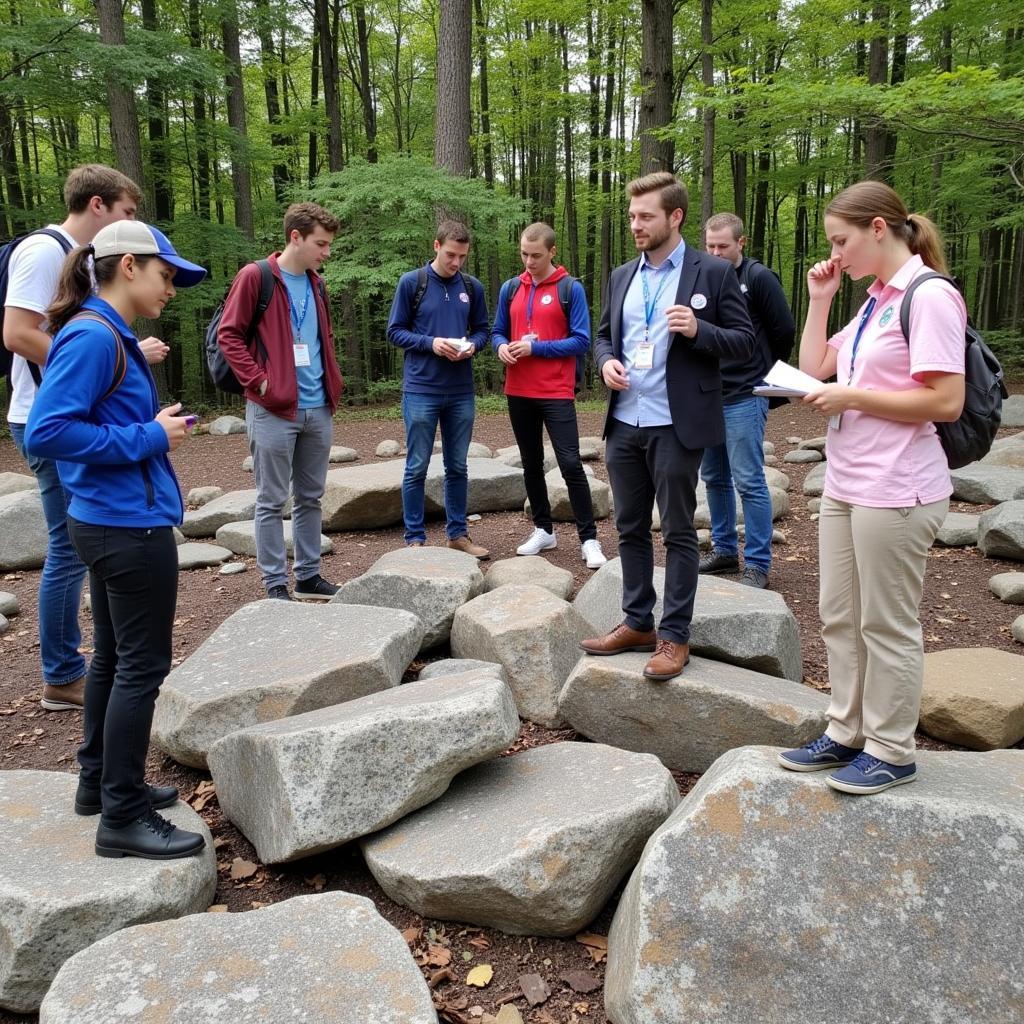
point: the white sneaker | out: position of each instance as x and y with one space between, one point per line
592 554
540 540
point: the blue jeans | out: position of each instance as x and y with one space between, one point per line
60 589
740 460
422 413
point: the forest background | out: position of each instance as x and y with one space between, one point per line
509 111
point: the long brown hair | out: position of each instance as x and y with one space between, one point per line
861 203
75 284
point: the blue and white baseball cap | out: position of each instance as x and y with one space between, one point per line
132 236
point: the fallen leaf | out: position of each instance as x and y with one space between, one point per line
583 1008
440 976
241 869
580 981
412 935
535 988
509 1014
480 976
466 955
480 942
438 956
217 908
596 941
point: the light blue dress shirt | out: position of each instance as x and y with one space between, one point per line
645 404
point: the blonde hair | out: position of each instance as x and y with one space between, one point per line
672 191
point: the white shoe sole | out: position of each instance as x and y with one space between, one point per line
58 705
299 596
844 787
537 551
830 766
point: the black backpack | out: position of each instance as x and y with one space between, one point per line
970 437
223 376
564 287
421 290
6 252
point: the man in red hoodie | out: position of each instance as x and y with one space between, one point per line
541 328
292 387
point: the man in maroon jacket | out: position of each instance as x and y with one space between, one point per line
290 396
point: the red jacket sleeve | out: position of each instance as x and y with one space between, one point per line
233 332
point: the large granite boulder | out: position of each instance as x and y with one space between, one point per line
430 582
199 496
532 634
742 625
224 425
388 754
510 457
814 482
57 897
529 569
493 486
1011 456
958 530
364 497
240 538
983 484
272 659
319 958
544 838
23 533
12 483
558 496
974 697
691 720
702 513
1008 587
1001 531
766 898
448 667
1013 411
232 507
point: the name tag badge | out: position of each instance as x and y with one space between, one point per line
644 355
301 354
835 422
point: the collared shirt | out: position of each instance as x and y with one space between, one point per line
645 403
879 462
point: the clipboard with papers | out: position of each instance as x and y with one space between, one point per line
785 381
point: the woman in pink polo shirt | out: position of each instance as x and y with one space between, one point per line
887 482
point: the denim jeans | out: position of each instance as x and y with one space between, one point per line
60 589
422 414
741 461
133 574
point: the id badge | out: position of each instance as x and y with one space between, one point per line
835 422
301 354
644 356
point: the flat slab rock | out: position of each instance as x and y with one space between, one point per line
430 582
532 634
1001 531
1008 587
318 958
272 659
57 897
240 538
12 483
741 912
983 484
1013 411
689 721
731 622
529 569
388 754
544 838
23 533
228 508
958 530
974 697
224 425
192 555
457 666
558 496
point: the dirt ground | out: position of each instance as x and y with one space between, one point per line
958 611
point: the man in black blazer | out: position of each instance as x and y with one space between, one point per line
667 318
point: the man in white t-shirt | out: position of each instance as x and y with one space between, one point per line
95 196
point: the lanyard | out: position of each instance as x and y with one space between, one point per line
531 295
865 317
649 305
298 319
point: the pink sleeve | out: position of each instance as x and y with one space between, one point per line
938 319
843 334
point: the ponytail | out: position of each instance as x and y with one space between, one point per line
74 287
925 241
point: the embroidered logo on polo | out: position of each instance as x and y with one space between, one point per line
887 315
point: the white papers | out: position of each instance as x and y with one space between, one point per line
462 344
785 381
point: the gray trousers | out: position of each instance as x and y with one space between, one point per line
288 456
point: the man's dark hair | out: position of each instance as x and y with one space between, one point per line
453 231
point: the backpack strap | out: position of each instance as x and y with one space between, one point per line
120 357
267 285
930 275
421 290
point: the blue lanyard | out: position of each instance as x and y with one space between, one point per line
531 295
298 319
650 306
865 317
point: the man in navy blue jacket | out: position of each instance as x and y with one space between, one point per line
439 318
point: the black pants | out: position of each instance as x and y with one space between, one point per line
529 416
645 463
133 576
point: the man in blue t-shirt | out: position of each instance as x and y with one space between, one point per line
439 318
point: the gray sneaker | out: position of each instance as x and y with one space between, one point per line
754 577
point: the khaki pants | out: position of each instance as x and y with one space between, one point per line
872 574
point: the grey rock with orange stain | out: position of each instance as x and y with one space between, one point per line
689 721
431 582
312 782
532 634
543 838
272 659
57 897
767 898
973 697
741 625
529 569
319 958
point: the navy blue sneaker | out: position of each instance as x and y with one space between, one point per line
824 752
867 774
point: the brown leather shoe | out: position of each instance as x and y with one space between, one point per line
621 639
668 660
463 543
69 697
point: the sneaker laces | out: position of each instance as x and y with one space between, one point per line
821 744
865 763
664 647
157 824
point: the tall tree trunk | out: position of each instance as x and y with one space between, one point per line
594 32
606 168
325 27
707 70
571 251
195 37
313 158
485 94
268 59
12 179
875 135
365 88
656 85
240 177
159 157
454 61
124 120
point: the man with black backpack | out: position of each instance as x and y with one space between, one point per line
738 463
541 329
292 384
30 269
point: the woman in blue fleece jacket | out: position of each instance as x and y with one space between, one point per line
97 414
